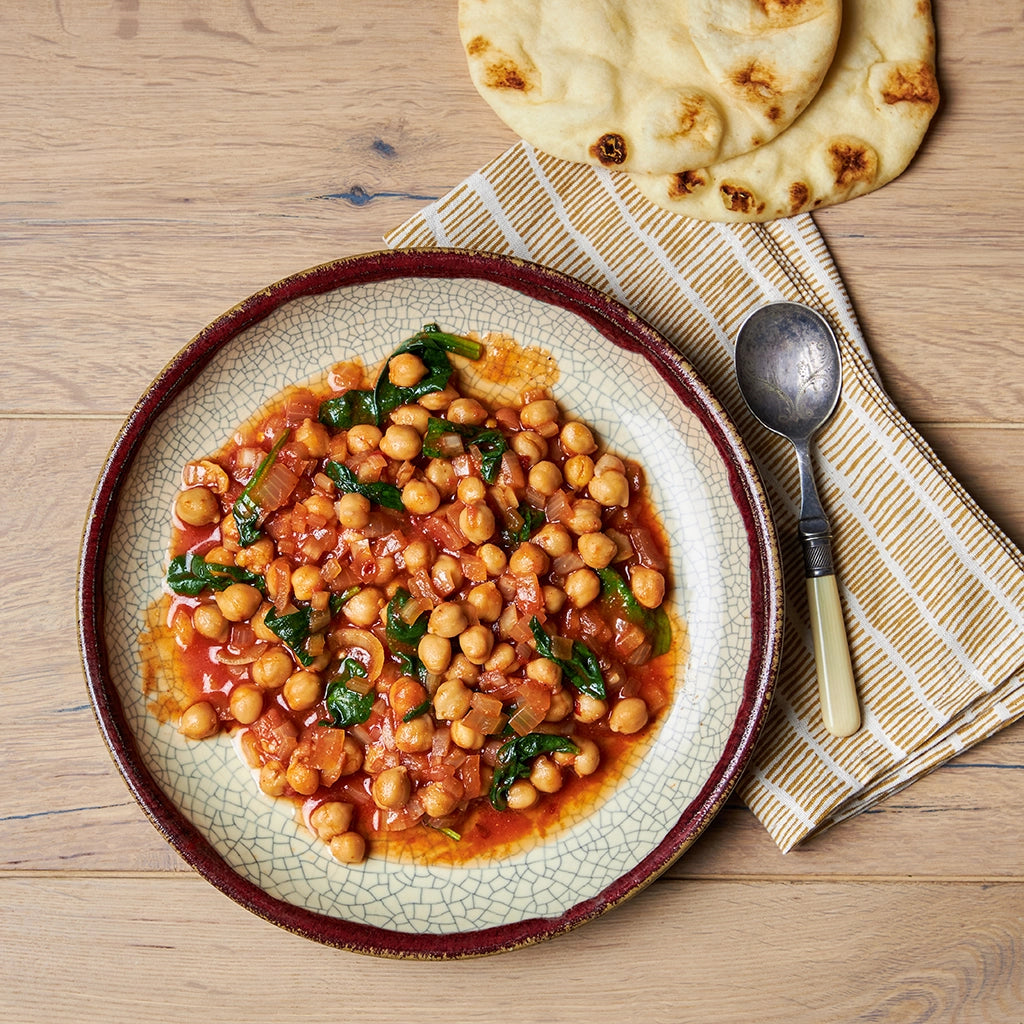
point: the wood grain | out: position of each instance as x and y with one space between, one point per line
162 161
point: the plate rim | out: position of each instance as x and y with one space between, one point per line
621 327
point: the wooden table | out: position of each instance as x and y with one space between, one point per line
161 161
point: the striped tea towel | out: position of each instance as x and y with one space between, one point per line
933 593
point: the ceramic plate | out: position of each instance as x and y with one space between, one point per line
617 374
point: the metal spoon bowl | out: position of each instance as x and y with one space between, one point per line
790 375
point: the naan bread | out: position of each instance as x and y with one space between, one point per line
655 86
860 131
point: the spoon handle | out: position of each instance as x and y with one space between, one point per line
837 693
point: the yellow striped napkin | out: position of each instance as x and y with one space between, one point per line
933 593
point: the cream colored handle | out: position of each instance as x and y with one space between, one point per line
836 689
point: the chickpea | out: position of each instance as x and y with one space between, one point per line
581 587
306 581
544 671
260 628
545 478
462 668
451 701
321 505
466 736
554 539
539 413
404 694
415 736
502 658
476 643
401 443
314 436
471 489
529 557
522 794
353 510
476 521
363 608
363 437
352 756
609 463
587 760
597 549
420 497
579 471
303 778
494 559
485 601
441 474
529 445
302 690
648 586
199 721
589 709
561 706
246 703
220 556
273 778
545 775
349 848
610 488
272 668
411 416
577 439
435 652
468 411
585 517
438 401
198 506
331 819
447 620
392 788
419 555
554 599
256 557
238 601
441 798
406 370
628 716
446 574
208 620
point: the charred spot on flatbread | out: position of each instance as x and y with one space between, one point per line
500 71
911 82
610 150
738 199
799 195
686 183
852 162
757 82
787 12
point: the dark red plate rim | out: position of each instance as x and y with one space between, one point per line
620 327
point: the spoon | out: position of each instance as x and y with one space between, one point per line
789 373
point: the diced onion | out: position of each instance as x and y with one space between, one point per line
558 508
276 486
561 647
413 609
525 719
565 564
364 639
450 445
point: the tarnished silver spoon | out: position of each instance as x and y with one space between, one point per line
789 372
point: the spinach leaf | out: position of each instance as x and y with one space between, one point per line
489 442
191 574
420 709
293 630
348 410
411 665
533 520
452 342
347 707
654 622
246 510
384 494
582 668
400 633
515 758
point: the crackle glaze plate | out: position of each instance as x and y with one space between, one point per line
645 400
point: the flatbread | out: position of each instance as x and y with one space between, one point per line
654 86
859 132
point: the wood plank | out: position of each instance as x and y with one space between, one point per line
172 948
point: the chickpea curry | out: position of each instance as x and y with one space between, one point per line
422 618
